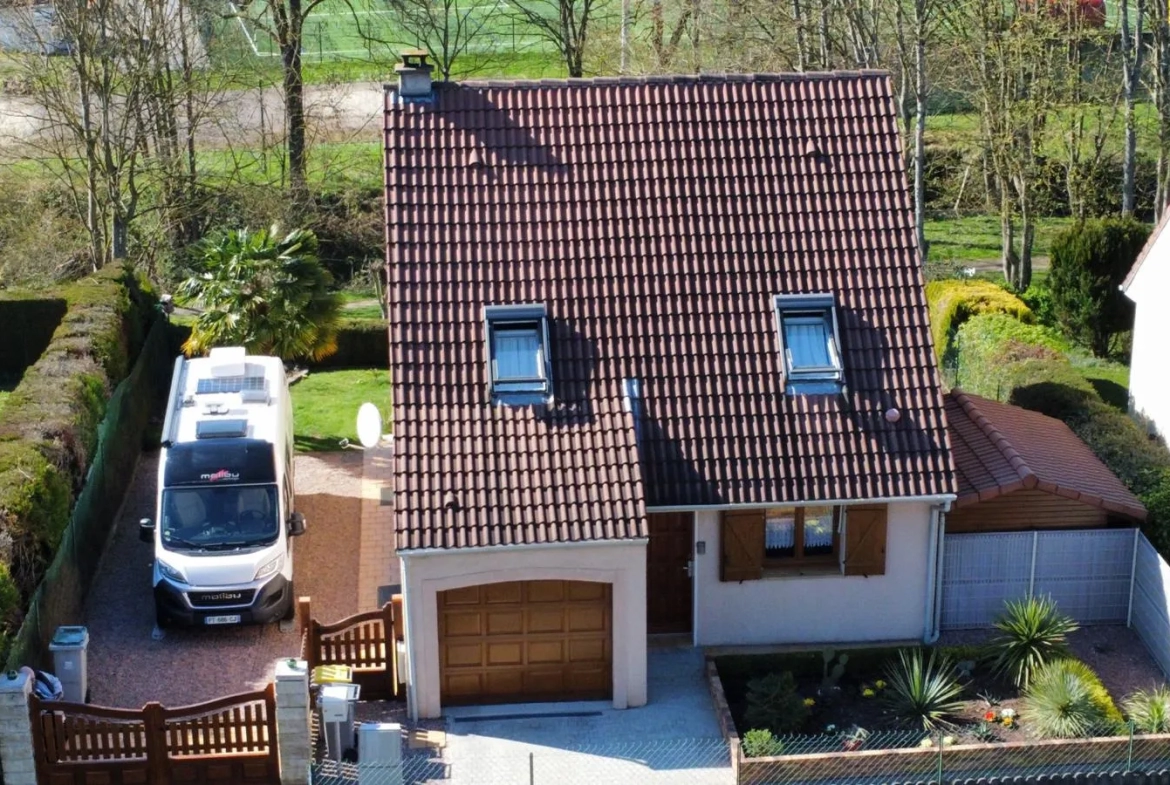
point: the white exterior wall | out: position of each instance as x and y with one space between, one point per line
829 608
621 564
1149 373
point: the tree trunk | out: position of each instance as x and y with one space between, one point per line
1131 61
920 88
289 26
1161 79
1007 234
801 42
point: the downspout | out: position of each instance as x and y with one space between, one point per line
933 568
411 642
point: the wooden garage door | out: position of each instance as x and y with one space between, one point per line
526 641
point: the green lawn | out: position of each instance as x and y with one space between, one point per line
976 238
325 406
1110 379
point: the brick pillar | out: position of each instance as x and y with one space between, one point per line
16 743
292 721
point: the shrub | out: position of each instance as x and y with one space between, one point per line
1149 710
1066 700
989 346
923 693
952 302
1032 632
361 343
774 704
760 743
265 291
1089 262
1038 298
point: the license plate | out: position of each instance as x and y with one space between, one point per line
222 619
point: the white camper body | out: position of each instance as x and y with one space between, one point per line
223 530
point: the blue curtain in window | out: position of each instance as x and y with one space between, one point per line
517 354
808 343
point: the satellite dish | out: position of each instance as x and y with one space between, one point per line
369 425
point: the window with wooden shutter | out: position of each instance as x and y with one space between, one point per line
742 540
865 540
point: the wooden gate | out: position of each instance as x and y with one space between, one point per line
366 642
228 741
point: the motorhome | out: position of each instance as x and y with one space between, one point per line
225 520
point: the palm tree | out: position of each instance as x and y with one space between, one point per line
265 292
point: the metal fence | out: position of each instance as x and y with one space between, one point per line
1151 608
703 761
1110 756
1089 573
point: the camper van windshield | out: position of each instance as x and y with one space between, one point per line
220 517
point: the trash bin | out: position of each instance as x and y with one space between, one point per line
338 704
69 647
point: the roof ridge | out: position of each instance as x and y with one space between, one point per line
710 78
1000 442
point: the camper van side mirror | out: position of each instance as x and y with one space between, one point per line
146 530
296 524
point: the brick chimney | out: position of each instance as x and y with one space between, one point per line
414 74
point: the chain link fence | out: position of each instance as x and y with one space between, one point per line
703 761
918 758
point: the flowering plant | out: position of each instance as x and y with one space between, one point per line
880 684
927 742
854 737
868 692
830 728
947 741
810 702
989 716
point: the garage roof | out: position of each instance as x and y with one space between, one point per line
999 448
657 219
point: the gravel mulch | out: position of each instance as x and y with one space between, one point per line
1117 654
127 668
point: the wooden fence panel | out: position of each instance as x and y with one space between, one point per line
230 740
364 642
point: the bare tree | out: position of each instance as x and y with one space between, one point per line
563 23
1132 53
1160 89
450 30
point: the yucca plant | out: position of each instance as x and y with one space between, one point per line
1065 700
922 692
1032 632
1149 710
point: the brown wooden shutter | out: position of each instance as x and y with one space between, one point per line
742 539
865 540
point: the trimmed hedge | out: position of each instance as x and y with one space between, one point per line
954 301
989 347
49 424
28 327
361 343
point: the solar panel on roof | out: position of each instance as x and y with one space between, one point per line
221 429
229 384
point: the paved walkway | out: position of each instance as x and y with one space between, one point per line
377 563
673 739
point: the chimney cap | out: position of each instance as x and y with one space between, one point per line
414 60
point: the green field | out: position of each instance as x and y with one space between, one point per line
976 238
325 406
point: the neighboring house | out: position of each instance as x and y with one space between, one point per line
1021 470
661 364
1149 373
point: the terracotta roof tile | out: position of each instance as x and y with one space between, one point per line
999 448
655 218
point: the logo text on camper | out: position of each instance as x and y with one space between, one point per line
222 474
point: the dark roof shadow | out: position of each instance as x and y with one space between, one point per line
501 139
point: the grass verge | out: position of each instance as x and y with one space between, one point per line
976 238
325 406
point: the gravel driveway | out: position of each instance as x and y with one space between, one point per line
128 668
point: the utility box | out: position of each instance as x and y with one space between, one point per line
70 648
338 705
380 758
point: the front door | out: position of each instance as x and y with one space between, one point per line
668 573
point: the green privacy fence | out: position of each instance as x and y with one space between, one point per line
60 597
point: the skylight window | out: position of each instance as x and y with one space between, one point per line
809 343
518 354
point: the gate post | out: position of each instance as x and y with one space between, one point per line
292 721
16 736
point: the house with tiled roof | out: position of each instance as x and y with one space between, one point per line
661 364
1149 373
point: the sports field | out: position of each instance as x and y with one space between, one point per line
369 30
